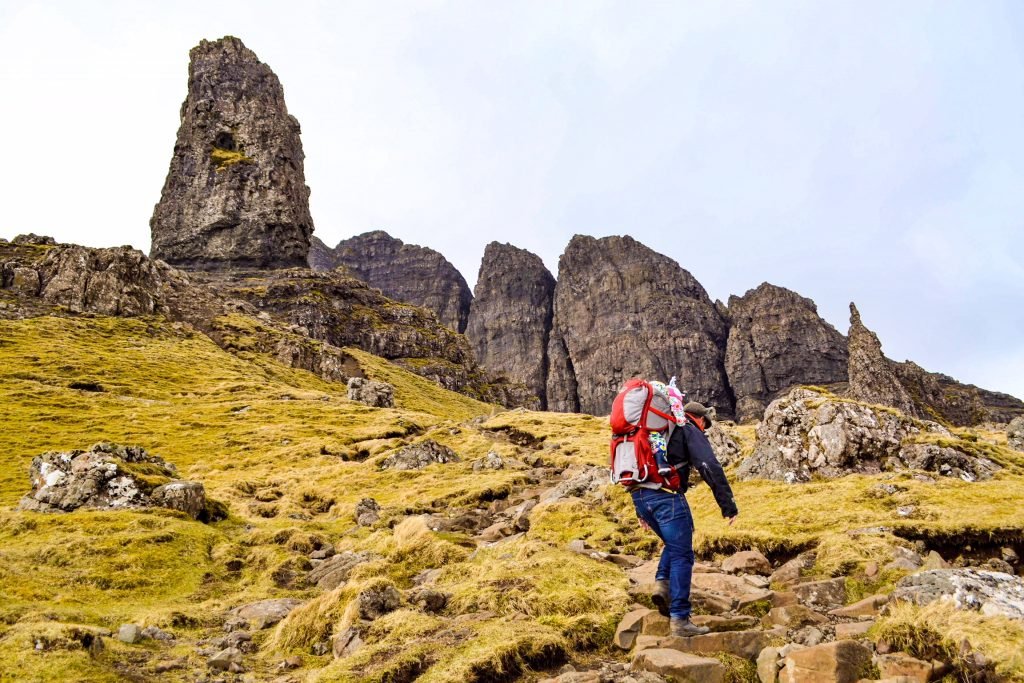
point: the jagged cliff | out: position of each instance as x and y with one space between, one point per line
235 194
404 272
622 309
510 318
776 340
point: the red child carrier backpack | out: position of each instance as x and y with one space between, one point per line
637 411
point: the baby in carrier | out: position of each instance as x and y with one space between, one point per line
659 440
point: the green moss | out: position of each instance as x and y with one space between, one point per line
226 158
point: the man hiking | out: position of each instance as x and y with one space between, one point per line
665 511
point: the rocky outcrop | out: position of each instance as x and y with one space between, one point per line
991 593
872 377
405 272
419 455
806 434
110 477
235 194
321 256
510 317
776 340
623 310
338 309
371 393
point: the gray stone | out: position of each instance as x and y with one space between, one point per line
372 393
346 643
1015 433
822 595
367 512
872 377
377 600
235 194
335 571
129 633
988 592
587 481
265 613
228 659
419 455
185 496
103 478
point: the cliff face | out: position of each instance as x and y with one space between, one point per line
872 376
235 194
776 340
510 317
405 272
620 310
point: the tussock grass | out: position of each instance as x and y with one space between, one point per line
937 630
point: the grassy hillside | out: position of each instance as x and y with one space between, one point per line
290 456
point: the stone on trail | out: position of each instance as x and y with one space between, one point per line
717 623
853 629
746 644
868 607
747 562
629 628
792 616
822 595
679 666
768 665
915 670
843 661
228 659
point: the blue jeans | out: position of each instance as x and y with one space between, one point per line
668 515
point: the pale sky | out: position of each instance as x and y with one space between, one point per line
866 151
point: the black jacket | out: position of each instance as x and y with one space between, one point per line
688 446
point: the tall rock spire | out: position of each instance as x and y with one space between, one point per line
235 194
872 376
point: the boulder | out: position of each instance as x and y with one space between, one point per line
265 613
108 476
370 392
679 666
129 633
346 643
377 600
843 661
235 194
419 455
822 595
768 665
1015 433
988 592
367 512
747 562
510 317
777 340
807 433
32 239
791 572
185 496
228 659
335 571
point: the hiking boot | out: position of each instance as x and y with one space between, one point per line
662 597
686 628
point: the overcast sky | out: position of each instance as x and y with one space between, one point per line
866 151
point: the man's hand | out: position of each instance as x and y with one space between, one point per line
732 519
